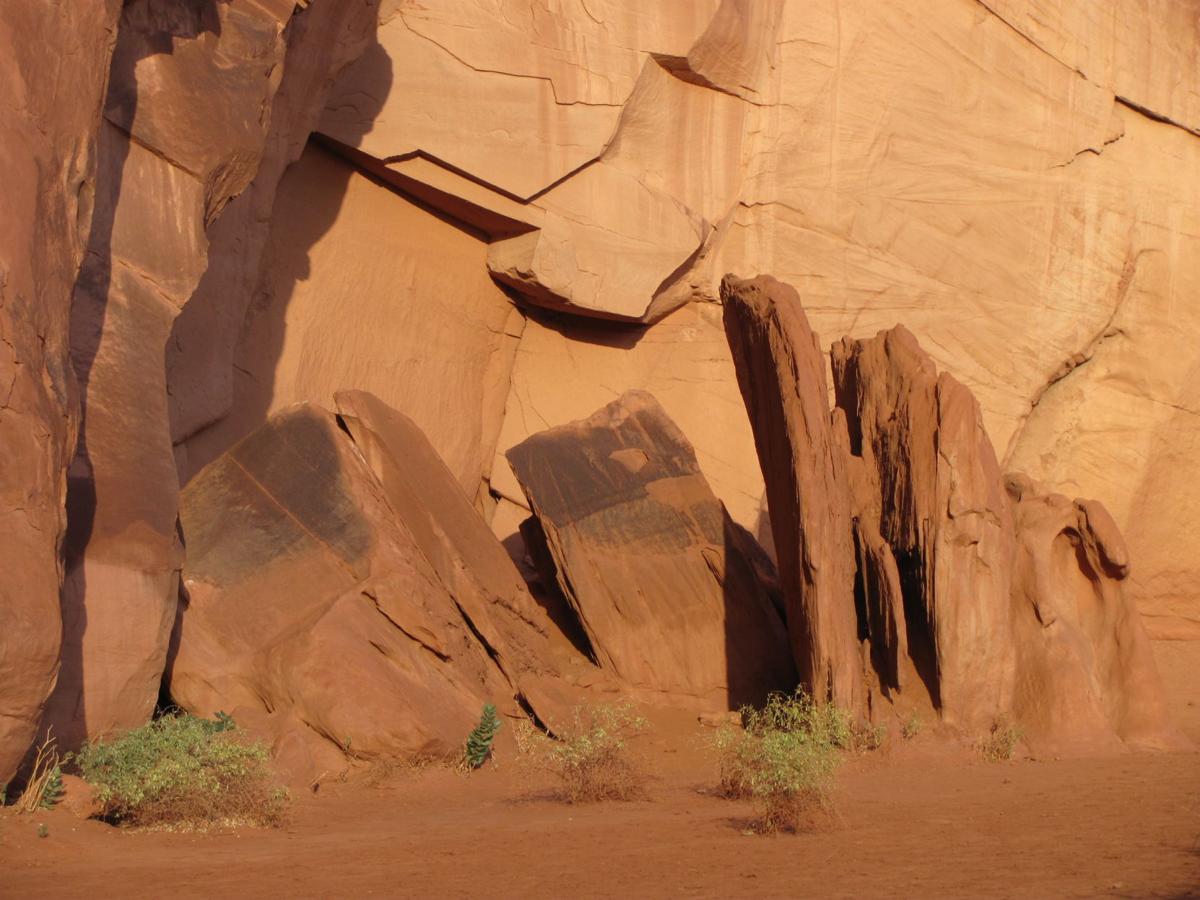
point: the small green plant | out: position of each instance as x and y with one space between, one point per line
1000 743
479 741
590 756
784 758
183 771
45 786
912 727
43 830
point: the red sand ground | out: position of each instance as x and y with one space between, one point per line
916 821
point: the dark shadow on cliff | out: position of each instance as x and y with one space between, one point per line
754 608
187 19
304 211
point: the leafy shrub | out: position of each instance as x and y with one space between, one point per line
784 758
45 786
589 757
182 770
999 744
479 741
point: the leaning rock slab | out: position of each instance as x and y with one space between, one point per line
781 373
306 594
667 588
476 570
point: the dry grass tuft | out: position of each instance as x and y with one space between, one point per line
44 788
1000 744
589 757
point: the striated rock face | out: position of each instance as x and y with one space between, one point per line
941 511
376 614
782 376
672 595
167 170
1036 228
49 115
472 565
984 602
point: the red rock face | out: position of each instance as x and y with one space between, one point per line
51 107
1086 674
782 376
983 602
168 169
472 565
670 592
309 599
942 513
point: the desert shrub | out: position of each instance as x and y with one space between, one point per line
784 758
912 727
45 786
589 757
183 771
479 741
1000 743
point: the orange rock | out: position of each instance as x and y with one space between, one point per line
53 64
323 568
671 593
782 376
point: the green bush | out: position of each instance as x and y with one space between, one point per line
479 741
180 770
589 756
784 758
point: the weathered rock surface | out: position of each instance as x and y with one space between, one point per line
781 372
472 565
188 119
49 115
942 512
362 287
308 596
670 592
961 600
565 369
1086 673
1036 228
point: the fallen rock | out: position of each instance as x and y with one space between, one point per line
307 595
666 586
472 565
782 376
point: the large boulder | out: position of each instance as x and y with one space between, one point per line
674 597
305 594
781 372
53 61
471 564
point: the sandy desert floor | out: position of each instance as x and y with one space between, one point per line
917 819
